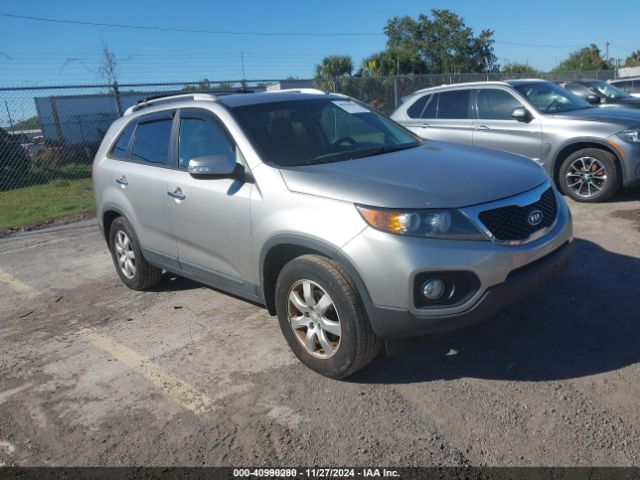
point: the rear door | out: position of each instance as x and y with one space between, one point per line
495 128
447 117
142 176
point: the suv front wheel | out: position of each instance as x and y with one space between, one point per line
589 175
321 317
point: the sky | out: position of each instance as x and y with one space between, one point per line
540 33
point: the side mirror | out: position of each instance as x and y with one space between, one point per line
521 114
211 165
593 99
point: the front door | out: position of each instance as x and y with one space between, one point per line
210 216
495 128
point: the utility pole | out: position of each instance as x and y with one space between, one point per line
606 49
6 105
244 86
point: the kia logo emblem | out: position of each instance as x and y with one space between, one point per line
535 217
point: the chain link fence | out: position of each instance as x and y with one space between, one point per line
49 135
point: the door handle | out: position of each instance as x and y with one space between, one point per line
424 125
482 128
122 180
177 194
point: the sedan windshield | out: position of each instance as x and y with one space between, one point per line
320 130
609 91
551 98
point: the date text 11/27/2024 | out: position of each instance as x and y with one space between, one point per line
315 472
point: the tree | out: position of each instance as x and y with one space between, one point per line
440 44
585 59
30 123
518 69
633 60
333 66
109 68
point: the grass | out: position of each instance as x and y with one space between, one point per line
40 204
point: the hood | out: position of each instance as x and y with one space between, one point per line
434 175
620 116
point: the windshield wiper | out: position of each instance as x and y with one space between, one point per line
384 149
332 157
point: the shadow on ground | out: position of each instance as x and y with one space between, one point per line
585 322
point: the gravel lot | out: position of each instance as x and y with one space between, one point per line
92 373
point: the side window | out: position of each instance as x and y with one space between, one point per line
454 104
151 141
496 104
200 137
431 108
415 110
119 149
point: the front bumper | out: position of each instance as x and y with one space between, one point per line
393 322
629 156
389 266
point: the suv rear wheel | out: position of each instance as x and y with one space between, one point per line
134 271
321 317
589 175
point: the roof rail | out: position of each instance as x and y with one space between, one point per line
309 91
147 102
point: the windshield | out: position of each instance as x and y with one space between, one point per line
551 98
579 90
320 130
609 91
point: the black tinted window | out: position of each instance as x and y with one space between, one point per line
318 130
151 141
454 104
415 110
431 108
496 104
119 150
200 137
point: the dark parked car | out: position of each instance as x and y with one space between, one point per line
603 93
11 152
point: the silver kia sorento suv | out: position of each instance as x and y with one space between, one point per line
341 222
589 152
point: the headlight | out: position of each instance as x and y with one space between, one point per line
631 135
449 224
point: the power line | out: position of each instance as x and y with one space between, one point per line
533 45
190 30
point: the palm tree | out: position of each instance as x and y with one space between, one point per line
334 66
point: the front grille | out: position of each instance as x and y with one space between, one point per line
511 223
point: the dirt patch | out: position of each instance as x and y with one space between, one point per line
633 215
4 232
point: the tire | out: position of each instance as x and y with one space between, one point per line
355 346
589 175
141 275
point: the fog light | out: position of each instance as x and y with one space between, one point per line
433 289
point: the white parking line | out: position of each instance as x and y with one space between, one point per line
178 390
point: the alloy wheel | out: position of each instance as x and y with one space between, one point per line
586 176
125 255
314 319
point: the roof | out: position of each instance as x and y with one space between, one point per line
526 81
232 99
